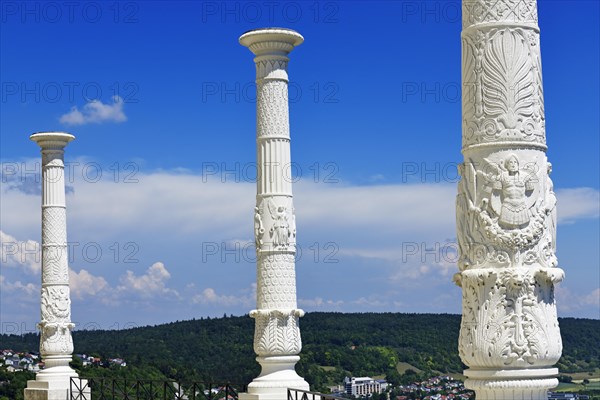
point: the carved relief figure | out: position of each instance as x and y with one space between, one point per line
280 230
258 228
513 186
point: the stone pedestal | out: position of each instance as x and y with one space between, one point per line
506 208
277 334
56 344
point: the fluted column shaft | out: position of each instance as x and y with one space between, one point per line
506 207
277 334
56 344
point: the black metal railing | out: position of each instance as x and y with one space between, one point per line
122 389
297 394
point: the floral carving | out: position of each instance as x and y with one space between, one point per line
56 303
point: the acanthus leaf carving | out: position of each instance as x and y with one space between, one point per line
509 318
277 332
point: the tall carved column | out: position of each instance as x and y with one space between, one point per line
56 344
506 215
277 334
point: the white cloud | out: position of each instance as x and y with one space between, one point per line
83 284
152 283
369 218
377 210
179 204
210 296
320 303
28 290
368 223
95 112
246 298
370 302
573 301
577 203
592 299
23 253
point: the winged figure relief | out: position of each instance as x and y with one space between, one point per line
509 189
280 229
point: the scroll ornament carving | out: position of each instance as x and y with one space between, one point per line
509 317
277 332
502 87
482 11
506 215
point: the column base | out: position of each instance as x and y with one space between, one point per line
516 384
55 384
277 375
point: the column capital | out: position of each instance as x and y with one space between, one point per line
271 41
52 140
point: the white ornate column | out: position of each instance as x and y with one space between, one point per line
56 344
506 215
277 334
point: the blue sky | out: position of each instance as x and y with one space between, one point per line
161 99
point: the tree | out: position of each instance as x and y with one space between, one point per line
393 377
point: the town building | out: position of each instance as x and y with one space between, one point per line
566 396
364 386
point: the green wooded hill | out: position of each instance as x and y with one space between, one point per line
334 345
